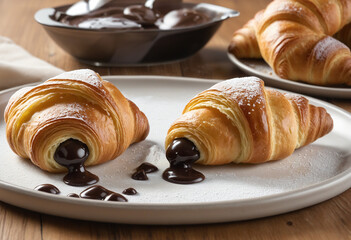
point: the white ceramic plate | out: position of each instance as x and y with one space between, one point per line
259 68
232 192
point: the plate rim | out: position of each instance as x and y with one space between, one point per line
335 185
308 89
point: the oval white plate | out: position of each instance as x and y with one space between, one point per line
259 68
232 192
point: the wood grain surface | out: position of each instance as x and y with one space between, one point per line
328 220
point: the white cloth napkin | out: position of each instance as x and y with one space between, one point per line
18 67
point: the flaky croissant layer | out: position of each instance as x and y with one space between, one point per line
78 105
239 120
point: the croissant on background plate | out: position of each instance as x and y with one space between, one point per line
294 38
239 120
74 105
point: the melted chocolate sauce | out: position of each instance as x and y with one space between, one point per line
130 191
142 170
48 188
182 18
182 154
72 154
141 14
147 167
98 192
73 195
115 197
114 15
140 175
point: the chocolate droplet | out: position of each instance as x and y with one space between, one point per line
95 192
98 192
140 175
48 188
74 195
147 167
115 197
130 191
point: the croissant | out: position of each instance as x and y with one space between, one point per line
74 105
241 121
294 39
244 42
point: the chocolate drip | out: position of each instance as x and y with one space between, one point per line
98 192
48 188
182 154
130 191
72 154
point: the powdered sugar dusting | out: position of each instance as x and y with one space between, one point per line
246 91
82 75
60 111
325 47
299 100
289 7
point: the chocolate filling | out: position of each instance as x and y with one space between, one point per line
72 154
182 154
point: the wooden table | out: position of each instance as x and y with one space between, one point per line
328 220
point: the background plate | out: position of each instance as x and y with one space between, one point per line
232 192
259 68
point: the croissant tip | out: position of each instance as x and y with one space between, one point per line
330 123
231 48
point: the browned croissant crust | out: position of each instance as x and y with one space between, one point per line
239 120
78 105
244 42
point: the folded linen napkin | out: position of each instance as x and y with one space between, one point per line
18 67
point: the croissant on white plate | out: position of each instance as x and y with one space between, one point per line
242 121
75 105
294 38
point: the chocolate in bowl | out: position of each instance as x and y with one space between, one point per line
136 45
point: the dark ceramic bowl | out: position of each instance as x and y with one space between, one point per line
111 47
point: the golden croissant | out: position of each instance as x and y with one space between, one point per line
74 105
294 38
241 121
244 42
